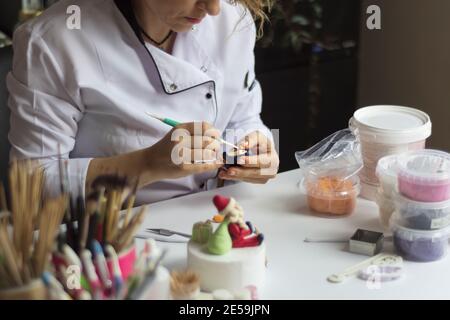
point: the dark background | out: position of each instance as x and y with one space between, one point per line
9 13
285 76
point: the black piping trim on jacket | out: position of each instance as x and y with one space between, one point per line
126 9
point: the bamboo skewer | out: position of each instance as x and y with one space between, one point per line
115 217
22 256
10 257
126 236
3 202
25 254
130 203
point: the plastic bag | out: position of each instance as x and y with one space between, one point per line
339 155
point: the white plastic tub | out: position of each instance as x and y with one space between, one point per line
386 130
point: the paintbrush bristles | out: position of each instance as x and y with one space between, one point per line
52 214
8 252
3 202
154 116
118 233
22 256
127 233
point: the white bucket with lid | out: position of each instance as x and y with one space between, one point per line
386 130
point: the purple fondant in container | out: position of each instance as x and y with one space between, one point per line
419 245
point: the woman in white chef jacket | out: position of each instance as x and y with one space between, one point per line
87 92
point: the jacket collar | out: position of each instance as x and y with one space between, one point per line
189 66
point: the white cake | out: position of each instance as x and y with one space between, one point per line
233 271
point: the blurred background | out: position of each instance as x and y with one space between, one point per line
317 63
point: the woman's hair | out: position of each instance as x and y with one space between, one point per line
257 9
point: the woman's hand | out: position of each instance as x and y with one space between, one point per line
189 148
257 168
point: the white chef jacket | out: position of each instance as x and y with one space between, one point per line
87 91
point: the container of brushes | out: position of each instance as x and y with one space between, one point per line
34 290
127 259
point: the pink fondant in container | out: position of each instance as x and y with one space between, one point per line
425 175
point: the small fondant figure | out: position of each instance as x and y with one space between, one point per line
201 231
242 233
220 241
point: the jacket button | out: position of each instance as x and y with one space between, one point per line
173 87
204 69
208 95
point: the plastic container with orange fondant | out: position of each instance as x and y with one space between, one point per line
331 194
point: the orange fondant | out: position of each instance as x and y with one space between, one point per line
218 218
332 195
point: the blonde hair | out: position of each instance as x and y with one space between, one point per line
258 10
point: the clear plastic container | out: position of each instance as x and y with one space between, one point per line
425 175
422 215
419 245
330 194
386 207
387 130
387 172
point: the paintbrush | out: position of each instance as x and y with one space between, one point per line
174 123
131 201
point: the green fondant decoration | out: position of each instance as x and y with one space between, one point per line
220 242
201 231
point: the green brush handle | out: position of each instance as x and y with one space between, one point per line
171 122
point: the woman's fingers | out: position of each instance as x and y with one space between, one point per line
192 168
249 141
256 141
199 156
256 180
199 129
198 161
196 135
266 160
200 142
240 173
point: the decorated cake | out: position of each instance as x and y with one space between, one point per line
230 256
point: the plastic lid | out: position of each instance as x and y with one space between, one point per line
330 187
387 167
391 124
425 164
413 234
403 201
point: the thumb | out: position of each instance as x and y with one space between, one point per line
249 141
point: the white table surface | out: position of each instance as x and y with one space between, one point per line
298 270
